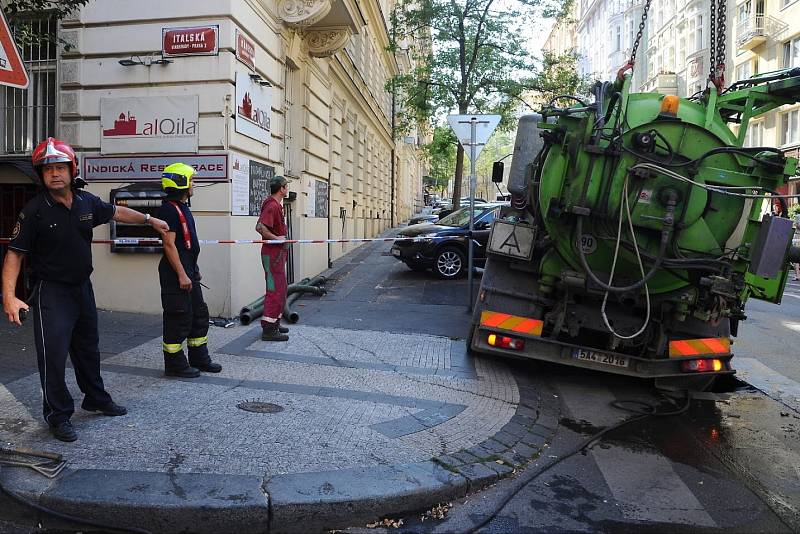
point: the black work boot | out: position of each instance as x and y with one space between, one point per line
64 431
282 329
177 365
271 332
200 359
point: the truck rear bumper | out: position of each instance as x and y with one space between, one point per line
537 348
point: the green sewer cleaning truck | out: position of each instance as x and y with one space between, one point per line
636 232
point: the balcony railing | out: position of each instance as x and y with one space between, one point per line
756 29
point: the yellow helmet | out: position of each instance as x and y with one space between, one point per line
177 176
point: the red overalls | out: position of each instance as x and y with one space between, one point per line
273 259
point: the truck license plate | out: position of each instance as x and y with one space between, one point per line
600 357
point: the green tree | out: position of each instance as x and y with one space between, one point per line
472 59
558 75
440 155
499 146
20 12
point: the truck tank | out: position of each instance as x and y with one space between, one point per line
635 233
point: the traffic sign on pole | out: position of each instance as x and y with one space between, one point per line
12 70
484 127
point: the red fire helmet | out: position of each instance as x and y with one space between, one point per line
53 150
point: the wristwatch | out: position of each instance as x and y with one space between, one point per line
146 218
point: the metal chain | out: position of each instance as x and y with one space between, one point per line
641 30
712 49
721 27
717 25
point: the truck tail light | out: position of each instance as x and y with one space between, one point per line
702 366
506 342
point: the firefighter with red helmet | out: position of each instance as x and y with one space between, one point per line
54 230
185 311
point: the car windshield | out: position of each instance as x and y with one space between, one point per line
461 217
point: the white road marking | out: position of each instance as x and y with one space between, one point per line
771 382
644 484
648 489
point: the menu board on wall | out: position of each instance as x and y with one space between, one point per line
240 184
260 177
321 199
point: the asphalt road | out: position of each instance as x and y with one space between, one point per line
771 333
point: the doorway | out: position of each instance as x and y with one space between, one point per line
13 198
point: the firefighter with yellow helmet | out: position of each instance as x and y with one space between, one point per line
185 311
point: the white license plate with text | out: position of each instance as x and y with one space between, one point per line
600 357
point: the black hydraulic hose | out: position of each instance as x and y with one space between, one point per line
296 288
307 285
665 234
288 314
66 517
643 409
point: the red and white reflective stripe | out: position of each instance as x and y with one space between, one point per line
187 235
514 323
696 347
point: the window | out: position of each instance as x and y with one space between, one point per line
681 53
743 12
743 70
28 116
696 34
617 38
790 127
631 35
791 53
755 134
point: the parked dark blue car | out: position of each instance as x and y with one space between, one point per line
447 256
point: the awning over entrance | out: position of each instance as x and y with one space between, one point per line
20 163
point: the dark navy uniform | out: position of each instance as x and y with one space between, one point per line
58 242
185 312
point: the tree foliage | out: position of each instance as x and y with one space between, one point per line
557 76
440 155
20 12
470 58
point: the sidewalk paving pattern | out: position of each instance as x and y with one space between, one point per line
366 423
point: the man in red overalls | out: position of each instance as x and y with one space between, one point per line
271 225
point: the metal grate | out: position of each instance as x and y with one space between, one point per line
28 116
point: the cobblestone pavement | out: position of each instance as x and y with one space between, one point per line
350 398
374 405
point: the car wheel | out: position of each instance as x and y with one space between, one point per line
449 263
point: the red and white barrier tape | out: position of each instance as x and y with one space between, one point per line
154 242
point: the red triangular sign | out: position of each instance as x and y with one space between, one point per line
12 71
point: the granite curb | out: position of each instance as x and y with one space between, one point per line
288 503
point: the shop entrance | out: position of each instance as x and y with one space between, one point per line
13 198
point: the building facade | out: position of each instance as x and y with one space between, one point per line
673 52
242 90
766 37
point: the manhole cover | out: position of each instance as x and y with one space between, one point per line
256 406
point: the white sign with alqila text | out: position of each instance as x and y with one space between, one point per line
159 124
253 102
